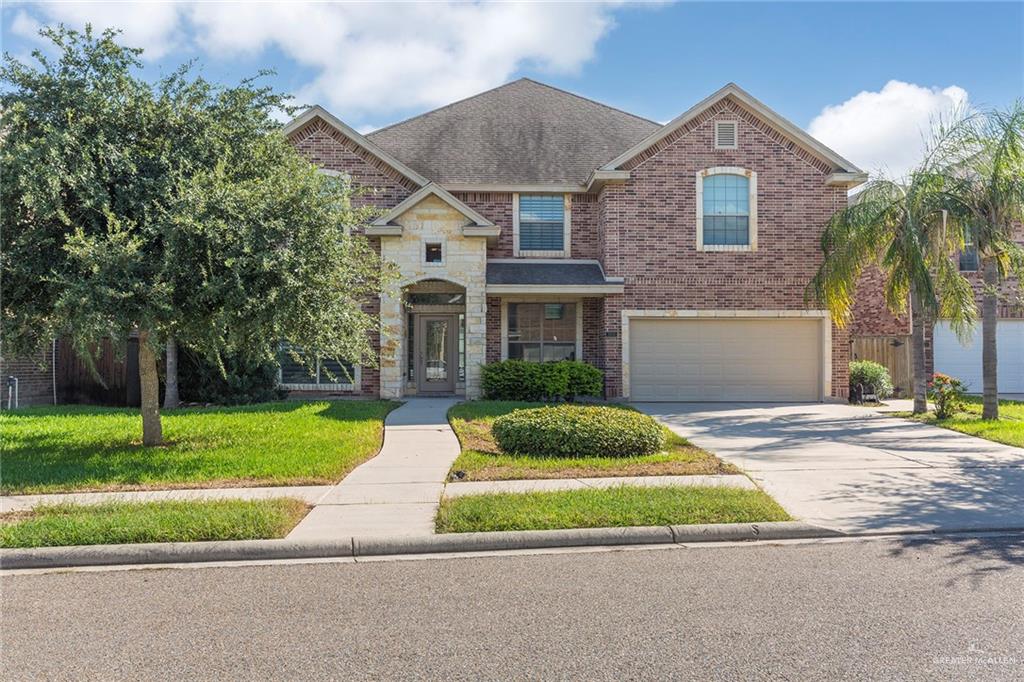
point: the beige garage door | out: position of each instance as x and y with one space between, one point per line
725 359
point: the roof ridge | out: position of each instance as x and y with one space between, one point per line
505 85
588 99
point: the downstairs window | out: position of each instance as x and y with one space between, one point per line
542 332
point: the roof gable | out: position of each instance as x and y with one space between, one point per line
317 111
433 189
837 163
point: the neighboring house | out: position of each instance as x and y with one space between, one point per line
879 335
528 222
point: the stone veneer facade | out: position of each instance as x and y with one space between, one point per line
465 264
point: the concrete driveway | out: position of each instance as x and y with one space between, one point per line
856 470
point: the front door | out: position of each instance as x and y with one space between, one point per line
435 352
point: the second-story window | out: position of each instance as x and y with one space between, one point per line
542 222
726 209
969 254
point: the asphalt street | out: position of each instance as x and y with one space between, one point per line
902 608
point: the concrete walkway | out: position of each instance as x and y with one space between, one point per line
550 484
308 493
852 469
397 492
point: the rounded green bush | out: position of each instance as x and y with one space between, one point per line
868 373
578 431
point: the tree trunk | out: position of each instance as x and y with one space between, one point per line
989 316
149 380
919 378
171 399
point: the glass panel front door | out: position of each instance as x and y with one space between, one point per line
435 356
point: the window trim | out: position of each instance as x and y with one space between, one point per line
735 137
444 252
566 228
752 203
577 301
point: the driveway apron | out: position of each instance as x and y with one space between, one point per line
855 470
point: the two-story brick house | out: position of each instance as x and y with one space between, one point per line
528 222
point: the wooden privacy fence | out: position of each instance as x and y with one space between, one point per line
893 352
117 367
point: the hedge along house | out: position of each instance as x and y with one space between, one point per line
527 222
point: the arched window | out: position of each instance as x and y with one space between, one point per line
726 209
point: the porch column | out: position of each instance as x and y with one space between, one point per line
476 337
392 338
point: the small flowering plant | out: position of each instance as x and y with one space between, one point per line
948 394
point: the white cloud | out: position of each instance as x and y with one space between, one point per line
151 25
366 57
886 130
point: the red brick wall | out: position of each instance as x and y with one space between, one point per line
871 316
493 352
593 331
377 185
496 207
650 230
586 242
35 380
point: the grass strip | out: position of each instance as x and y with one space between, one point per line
606 507
135 522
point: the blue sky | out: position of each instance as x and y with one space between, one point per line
866 78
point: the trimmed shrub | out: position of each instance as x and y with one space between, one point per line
247 382
866 373
948 394
584 379
578 431
535 381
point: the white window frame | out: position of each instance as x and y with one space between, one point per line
566 227
735 138
444 252
752 202
578 302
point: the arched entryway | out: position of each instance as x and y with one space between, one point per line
435 337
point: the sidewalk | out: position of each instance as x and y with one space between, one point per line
397 492
308 493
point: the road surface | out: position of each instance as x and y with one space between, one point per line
882 608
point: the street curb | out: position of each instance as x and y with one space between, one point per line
260 550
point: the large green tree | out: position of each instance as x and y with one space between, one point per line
904 228
175 209
986 190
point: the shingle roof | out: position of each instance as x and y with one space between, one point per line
523 272
523 132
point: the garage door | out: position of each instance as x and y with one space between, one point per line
964 361
725 359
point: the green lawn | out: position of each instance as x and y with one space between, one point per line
482 460
77 447
1009 428
170 521
600 508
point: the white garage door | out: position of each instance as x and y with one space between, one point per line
725 359
964 362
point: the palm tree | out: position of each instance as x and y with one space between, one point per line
905 229
987 192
